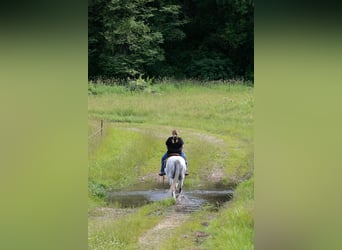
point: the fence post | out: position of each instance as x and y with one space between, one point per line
101 126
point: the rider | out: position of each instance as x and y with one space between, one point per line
174 146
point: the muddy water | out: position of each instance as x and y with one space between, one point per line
190 200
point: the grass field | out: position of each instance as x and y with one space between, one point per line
216 123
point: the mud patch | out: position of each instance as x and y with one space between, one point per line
200 237
215 175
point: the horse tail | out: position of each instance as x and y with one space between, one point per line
176 176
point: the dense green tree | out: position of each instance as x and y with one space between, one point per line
125 36
238 35
129 42
96 40
218 43
202 39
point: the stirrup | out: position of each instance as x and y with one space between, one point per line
161 174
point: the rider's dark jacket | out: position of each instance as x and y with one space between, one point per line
174 145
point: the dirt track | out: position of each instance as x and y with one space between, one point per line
155 236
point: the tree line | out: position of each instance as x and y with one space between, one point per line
198 39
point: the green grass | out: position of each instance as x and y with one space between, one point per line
230 228
123 232
222 109
120 160
216 123
234 225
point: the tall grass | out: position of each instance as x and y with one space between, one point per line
219 109
216 123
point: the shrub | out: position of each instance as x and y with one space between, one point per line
140 84
210 69
97 190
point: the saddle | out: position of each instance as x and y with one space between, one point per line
173 154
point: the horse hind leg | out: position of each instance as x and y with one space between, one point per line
181 182
174 194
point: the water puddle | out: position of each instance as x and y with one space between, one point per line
190 200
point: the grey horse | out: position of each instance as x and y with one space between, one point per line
175 170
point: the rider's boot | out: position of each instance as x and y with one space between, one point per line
162 170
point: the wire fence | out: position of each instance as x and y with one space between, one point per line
98 131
